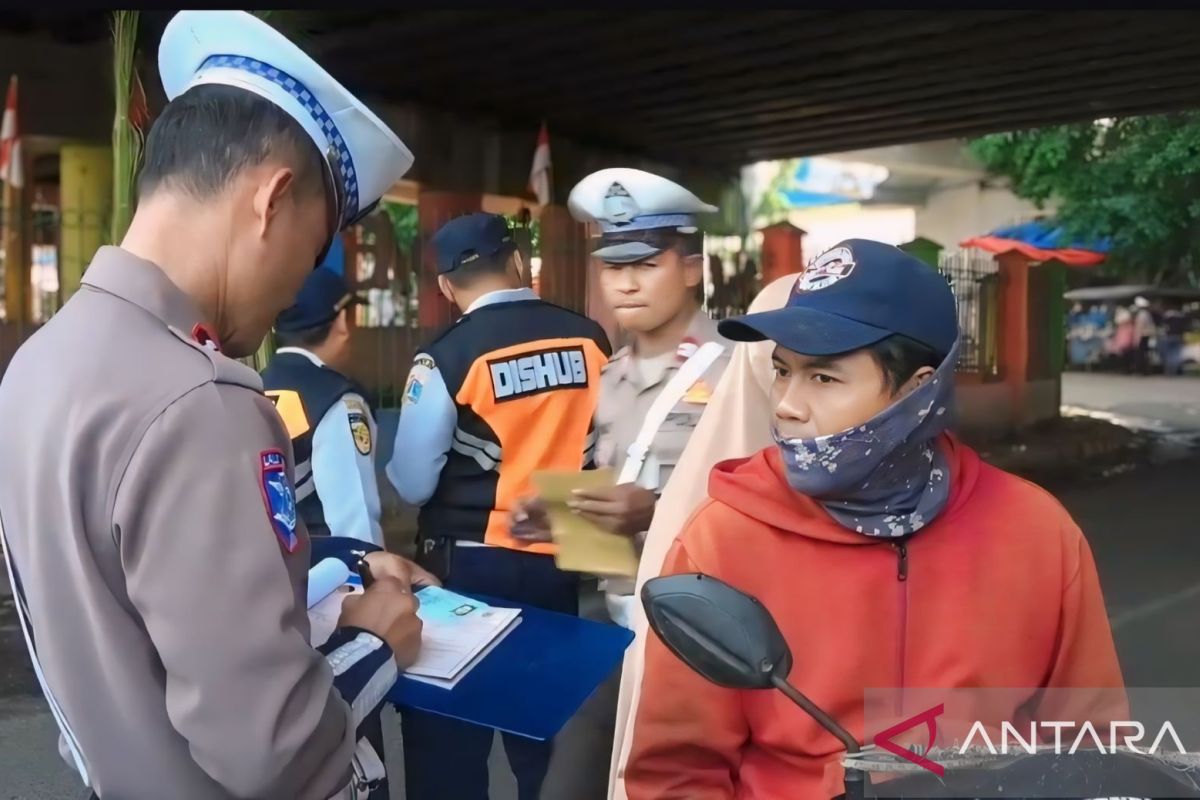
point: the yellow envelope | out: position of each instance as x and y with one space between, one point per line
583 546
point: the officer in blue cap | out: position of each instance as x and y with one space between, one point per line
508 389
328 416
148 503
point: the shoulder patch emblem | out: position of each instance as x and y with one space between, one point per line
422 366
291 411
354 404
412 392
279 498
361 431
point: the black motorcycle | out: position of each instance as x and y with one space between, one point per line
730 639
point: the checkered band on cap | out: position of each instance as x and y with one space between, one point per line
345 162
648 222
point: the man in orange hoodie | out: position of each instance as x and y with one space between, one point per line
889 554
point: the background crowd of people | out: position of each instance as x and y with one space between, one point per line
1146 337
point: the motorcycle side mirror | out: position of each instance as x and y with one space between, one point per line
731 639
721 633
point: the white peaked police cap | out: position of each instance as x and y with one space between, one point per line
362 154
633 209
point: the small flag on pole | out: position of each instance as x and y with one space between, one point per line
11 171
539 174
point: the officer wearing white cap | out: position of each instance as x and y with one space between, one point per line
148 508
652 394
654 389
327 413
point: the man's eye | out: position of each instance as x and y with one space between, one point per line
821 377
780 372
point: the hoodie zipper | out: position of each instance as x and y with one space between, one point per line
901 549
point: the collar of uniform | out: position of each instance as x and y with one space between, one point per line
703 329
501 296
122 274
700 330
300 351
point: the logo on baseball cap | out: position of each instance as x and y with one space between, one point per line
853 295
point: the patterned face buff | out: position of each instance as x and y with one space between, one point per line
887 477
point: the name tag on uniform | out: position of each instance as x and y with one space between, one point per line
538 372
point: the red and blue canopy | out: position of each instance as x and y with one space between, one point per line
1043 241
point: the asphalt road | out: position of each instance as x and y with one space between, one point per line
1172 402
1142 526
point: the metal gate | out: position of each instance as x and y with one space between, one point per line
975 279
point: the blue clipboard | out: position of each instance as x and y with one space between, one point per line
535 679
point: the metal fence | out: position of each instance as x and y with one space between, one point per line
975 280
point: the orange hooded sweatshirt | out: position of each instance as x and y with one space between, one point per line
1000 590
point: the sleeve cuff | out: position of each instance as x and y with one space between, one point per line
345 548
363 670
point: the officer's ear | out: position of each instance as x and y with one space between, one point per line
269 197
693 270
341 322
516 263
446 288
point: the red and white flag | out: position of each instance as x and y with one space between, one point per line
539 174
11 171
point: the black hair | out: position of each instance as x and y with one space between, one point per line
689 244
900 357
306 338
211 132
466 274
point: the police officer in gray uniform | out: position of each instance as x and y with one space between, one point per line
148 510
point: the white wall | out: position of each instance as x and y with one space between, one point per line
960 212
828 225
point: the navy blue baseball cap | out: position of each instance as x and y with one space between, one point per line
321 298
852 296
470 237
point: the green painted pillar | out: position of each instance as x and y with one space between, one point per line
85 187
1056 313
924 249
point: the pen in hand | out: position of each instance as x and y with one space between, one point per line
364 574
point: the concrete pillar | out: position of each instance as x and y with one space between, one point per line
1014 329
436 208
16 251
564 249
782 251
85 199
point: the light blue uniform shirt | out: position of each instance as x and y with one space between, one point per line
344 476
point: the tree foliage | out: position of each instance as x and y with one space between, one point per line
773 205
1135 181
127 139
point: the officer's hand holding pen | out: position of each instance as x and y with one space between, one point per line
384 564
387 608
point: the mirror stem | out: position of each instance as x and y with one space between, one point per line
827 722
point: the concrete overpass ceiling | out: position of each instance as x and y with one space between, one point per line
720 88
